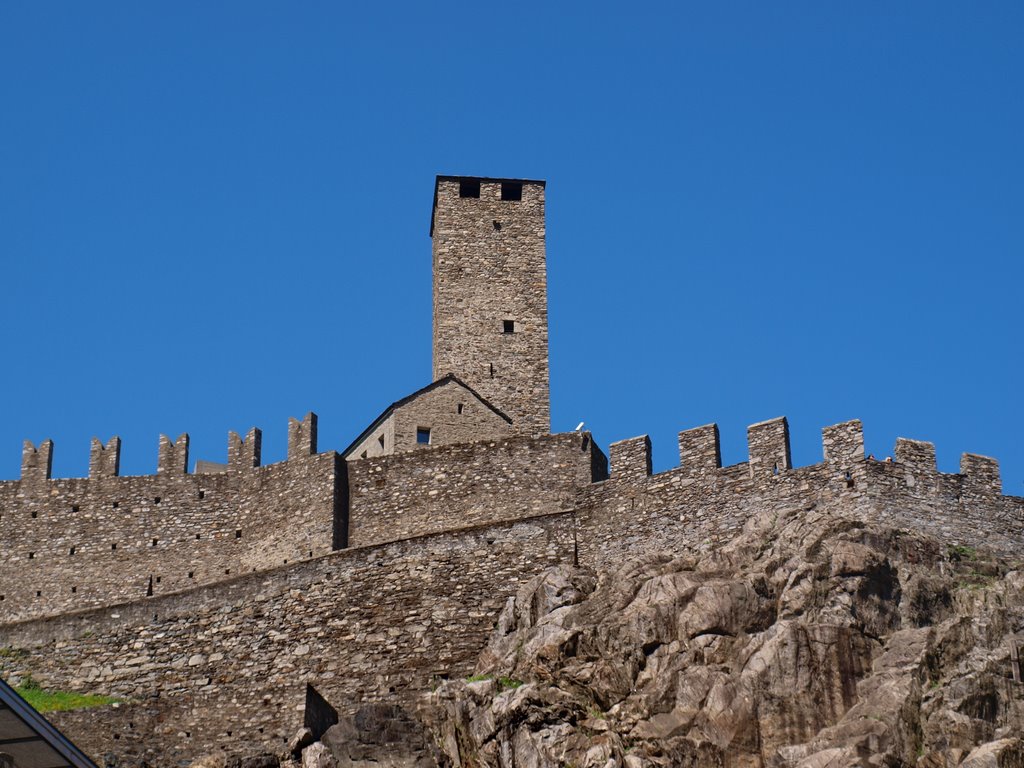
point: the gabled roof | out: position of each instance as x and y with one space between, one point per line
482 180
450 378
31 739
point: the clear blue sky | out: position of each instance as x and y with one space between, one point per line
215 215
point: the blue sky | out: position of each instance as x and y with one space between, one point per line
215 215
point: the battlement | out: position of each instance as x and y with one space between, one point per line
714 502
76 542
466 520
172 456
768 445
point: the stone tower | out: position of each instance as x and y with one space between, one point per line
490 293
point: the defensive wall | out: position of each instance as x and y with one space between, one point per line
74 543
70 543
454 486
700 503
227 663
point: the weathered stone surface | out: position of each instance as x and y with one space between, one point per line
381 735
489 269
72 543
754 614
798 644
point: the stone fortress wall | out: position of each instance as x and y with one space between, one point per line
226 664
73 543
208 601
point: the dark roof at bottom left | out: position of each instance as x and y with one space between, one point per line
31 740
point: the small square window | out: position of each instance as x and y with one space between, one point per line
511 190
423 435
508 326
469 188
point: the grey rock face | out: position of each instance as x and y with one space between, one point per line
805 643
378 735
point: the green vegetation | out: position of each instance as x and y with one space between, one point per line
508 683
960 552
504 683
57 701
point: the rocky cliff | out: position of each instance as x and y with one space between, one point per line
807 642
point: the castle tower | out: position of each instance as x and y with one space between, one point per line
490 293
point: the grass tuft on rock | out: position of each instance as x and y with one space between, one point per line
43 701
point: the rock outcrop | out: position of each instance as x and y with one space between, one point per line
808 642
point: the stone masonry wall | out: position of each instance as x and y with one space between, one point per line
67 544
455 486
489 267
227 664
701 504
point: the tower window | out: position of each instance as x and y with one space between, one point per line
381 441
460 408
468 188
511 190
508 326
423 435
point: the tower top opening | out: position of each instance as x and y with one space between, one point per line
468 183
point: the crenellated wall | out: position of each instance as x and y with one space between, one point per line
701 503
71 543
441 538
